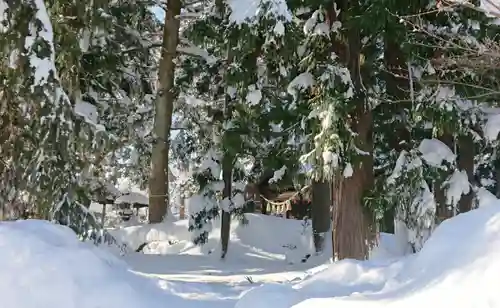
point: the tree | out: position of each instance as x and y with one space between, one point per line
158 187
33 97
83 106
320 213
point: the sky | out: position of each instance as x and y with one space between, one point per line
159 12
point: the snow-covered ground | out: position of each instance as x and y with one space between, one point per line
43 265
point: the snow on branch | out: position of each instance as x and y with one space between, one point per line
247 11
488 7
482 56
190 49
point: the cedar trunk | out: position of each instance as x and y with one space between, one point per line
320 212
397 87
352 224
352 232
164 105
466 153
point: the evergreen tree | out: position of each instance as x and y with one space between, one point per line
72 113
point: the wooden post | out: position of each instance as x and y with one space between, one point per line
182 209
103 215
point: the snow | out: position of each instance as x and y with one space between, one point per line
458 185
44 265
317 26
348 171
247 11
484 197
279 29
457 267
89 113
301 82
278 175
250 242
254 95
42 67
434 152
492 127
196 51
133 197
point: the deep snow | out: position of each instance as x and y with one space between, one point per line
457 267
43 265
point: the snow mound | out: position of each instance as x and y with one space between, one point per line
457 267
44 265
468 249
265 236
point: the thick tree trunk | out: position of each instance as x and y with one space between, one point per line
352 225
164 105
466 153
320 212
397 85
227 176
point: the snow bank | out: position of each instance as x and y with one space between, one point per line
44 265
160 238
274 237
457 267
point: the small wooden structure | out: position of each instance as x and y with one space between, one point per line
104 201
129 202
286 204
105 196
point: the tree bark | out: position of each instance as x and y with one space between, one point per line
397 85
164 104
320 212
352 232
466 153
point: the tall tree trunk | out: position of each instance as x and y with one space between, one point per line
352 230
320 212
397 85
227 176
466 153
164 105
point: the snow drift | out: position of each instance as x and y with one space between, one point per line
44 265
264 236
459 266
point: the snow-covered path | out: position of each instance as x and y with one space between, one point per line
256 257
230 279
207 284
